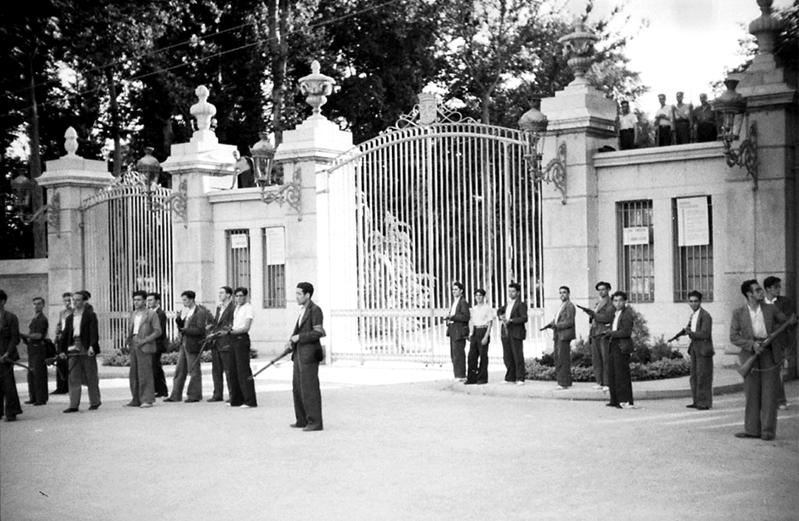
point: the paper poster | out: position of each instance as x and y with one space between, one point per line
693 228
635 235
238 241
275 246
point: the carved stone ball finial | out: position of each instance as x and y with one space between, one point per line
202 110
579 48
71 142
316 87
766 28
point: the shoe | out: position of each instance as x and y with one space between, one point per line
610 404
212 399
71 409
309 428
170 399
59 392
297 426
745 435
145 405
782 406
244 406
161 395
560 388
39 403
192 400
691 406
625 405
132 404
767 437
701 408
95 407
28 402
481 382
605 388
11 418
467 382
520 382
598 387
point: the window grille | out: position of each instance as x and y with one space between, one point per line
274 241
636 250
238 258
693 264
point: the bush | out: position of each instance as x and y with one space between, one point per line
664 368
581 354
122 359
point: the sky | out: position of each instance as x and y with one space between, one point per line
687 45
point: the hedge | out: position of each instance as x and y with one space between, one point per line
122 359
664 368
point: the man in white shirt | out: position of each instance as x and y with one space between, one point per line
663 123
699 330
61 364
563 332
773 288
482 319
628 127
682 120
242 386
750 326
143 330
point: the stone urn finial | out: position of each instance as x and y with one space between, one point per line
202 110
766 28
71 142
316 87
578 46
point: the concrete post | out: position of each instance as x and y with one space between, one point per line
69 179
201 165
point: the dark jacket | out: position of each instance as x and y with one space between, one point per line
194 329
310 330
9 335
224 322
458 328
742 336
517 318
563 329
88 332
623 336
161 341
602 319
702 338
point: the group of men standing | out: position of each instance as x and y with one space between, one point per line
225 333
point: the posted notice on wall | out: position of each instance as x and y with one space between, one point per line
275 246
635 235
238 241
693 228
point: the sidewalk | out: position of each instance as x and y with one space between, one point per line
724 381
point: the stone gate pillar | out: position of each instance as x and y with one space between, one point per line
583 119
197 167
69 180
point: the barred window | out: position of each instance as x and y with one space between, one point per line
274 241
636 250
238 258
692 226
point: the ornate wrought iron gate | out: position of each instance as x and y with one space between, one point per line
433 200
126 232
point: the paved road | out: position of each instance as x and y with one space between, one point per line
408 451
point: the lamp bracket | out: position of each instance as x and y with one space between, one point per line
50 211
290 193
746 154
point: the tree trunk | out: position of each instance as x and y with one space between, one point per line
485 102
112 97
279 14
35 166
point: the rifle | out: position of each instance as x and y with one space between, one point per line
682 332
4 358
203 346
548 326
589 311
747 366
288 350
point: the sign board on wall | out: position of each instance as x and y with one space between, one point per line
275 246
635 235
693 228
238 241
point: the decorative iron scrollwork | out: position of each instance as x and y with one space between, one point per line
427 112
290 193
50 211
554 172
745 156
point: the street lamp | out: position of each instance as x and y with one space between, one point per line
149 170
23 188
534 125
149 167
263 160
732 107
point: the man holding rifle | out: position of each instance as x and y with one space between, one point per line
699 330
600 318
751 330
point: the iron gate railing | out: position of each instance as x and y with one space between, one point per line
430 203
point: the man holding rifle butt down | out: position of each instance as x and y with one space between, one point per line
751 330
699 330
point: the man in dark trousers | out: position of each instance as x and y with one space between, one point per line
241 385
61 364
159 378
220 354
562 334
482 319
699 330
773 287
80 345
191 323
458 331
307 353
621 345
9 338
37 353
600 319
751 324
513 317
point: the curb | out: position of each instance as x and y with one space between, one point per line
514 391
